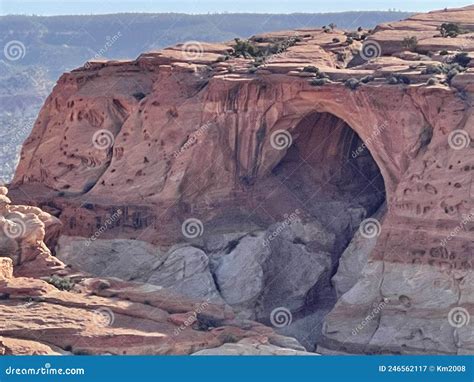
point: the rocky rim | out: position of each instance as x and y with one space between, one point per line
333 166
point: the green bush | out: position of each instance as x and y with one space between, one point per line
319 81
62 283
432 81
352 83
310 69
444 52
462 59
432 69
367 79
410 43
244 48
396 79
450 30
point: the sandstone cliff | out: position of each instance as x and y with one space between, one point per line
190 143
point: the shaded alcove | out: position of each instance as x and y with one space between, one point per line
330 175
330 170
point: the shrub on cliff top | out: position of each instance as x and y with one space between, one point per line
450 30
352 83
244 48
462 59
319 81
310 69
62 283
410 43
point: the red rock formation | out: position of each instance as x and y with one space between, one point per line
68 313
173 135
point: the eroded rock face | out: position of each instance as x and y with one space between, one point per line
23 236
167 138
82 315
255 274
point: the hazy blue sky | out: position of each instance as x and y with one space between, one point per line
55 7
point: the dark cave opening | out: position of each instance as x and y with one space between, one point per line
330 174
